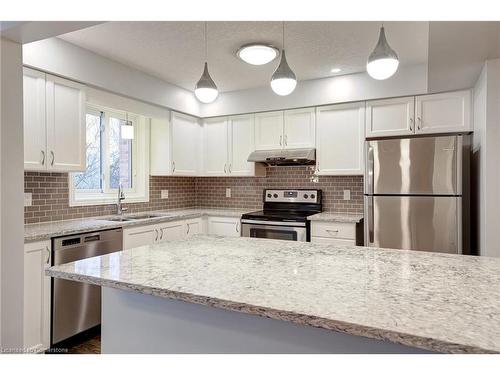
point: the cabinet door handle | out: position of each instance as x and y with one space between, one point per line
286 139
173 166
161 235
53 158
187 228
43 157
237 227
411 124
419 122
281 140
334 231
156 238
48 255
229 167
225 168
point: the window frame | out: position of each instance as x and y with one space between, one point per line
140 163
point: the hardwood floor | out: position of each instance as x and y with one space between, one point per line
90 346
88 342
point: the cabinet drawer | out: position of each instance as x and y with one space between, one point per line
334 230
333 241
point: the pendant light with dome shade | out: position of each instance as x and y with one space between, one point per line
383 61
206 89
127 129
283 80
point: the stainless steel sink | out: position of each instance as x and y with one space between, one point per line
118 219
135 217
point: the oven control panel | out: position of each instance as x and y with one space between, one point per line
292 196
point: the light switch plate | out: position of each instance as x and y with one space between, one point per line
228 192
28 199
164 194
347 195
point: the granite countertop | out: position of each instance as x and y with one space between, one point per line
440 302
336 217
47 230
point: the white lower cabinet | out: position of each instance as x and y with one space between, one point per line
36 296
171 230
333 233
140 236
194 226
224 226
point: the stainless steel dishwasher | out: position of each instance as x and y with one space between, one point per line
76 306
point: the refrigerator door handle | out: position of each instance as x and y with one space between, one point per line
369 169
370 221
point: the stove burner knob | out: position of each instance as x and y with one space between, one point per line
313 196
269 195
275 195
306 196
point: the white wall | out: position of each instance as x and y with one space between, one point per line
65 59
11 196
348 88
486 148
479 162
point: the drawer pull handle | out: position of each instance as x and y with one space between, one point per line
334 231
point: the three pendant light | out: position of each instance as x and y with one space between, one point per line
382 63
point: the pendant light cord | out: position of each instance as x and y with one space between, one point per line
283 34
206 43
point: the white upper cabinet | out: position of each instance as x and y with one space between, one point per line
444 113
160 142
269 130
340 139
54 123
242 143
35 136
66 127
228 141
390 117
186 134
299 128
216 135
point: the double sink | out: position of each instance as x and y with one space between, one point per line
136 217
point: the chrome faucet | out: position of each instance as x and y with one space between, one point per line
121 196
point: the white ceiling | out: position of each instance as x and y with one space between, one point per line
174 51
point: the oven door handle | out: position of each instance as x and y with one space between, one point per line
274 223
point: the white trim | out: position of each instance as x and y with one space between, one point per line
140 167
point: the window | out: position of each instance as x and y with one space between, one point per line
111 160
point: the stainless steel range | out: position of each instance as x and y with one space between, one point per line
284 216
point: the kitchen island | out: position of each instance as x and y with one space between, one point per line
210 294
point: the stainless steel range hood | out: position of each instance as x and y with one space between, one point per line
298 156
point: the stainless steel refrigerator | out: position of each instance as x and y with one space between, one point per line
417 193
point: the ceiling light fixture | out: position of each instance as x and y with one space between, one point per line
336 70
283 81
206 89
257 53
383 61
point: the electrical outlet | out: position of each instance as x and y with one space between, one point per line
28 199
347 195
228 192
164 194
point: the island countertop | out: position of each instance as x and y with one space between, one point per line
440 302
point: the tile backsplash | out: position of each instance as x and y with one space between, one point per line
247 192
50 197
50 193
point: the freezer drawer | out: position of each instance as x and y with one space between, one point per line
414 223
425 165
